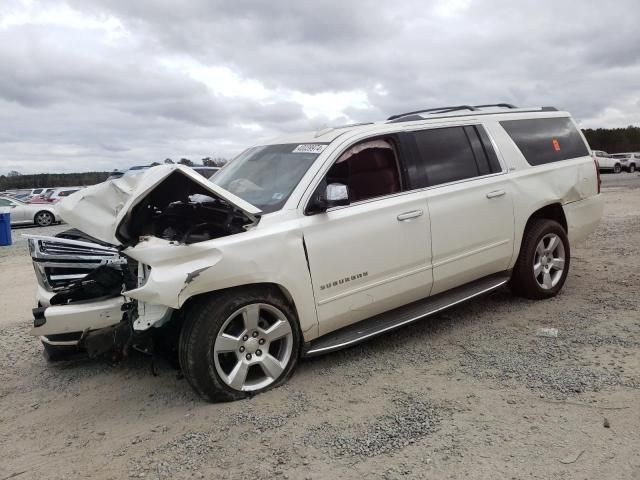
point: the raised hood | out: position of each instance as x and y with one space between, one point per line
119 211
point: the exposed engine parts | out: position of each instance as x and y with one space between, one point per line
181 210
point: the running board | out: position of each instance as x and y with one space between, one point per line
387 321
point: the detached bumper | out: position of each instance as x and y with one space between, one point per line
77 317
583 217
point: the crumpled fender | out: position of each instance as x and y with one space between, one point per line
173 265
179 272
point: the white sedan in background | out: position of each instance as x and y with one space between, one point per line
26 213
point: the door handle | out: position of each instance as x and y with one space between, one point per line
496 193
409 215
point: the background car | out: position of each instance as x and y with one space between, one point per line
58 193
19 194
628 161
606 162
41 197
206 172
24 213
115 174
138 169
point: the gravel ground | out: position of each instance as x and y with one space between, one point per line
475 392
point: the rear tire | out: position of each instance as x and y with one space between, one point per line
238 343
617 168
543 263
44 218
632 168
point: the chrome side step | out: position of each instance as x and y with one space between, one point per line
387 321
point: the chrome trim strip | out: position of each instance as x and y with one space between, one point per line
74 276
77 257
66 343
397 325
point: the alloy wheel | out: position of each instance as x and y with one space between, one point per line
549 261
44 219
253 347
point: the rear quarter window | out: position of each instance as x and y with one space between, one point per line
546 140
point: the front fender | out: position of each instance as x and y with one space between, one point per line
179 272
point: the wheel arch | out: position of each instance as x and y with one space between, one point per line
267 286
44 210
553 211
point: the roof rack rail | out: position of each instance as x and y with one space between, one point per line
409 116
501 105
433 110
471 108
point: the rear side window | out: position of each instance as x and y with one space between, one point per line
546 140
454 153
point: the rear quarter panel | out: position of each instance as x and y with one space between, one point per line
535 187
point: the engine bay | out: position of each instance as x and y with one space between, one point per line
181 210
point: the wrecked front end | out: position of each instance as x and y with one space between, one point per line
80 306
93 292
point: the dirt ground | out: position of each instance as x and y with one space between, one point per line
472 393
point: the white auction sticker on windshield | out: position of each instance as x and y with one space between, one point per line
309 148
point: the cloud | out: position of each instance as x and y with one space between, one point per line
90 84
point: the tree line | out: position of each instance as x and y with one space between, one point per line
611 140
37 180
614 140
15 180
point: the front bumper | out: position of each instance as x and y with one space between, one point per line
71 322
78 316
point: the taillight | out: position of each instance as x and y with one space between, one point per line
595 160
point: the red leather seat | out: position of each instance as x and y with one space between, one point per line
373 173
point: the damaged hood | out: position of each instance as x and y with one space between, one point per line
104 210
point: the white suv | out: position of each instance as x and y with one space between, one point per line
606 162
317 241
628 161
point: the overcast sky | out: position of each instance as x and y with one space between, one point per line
103 84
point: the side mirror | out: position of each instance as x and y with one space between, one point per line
327 196
336 194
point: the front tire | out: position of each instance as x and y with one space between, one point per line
543 263
239 343
44 218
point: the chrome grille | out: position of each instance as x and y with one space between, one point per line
59 261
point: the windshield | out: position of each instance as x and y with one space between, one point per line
265 176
